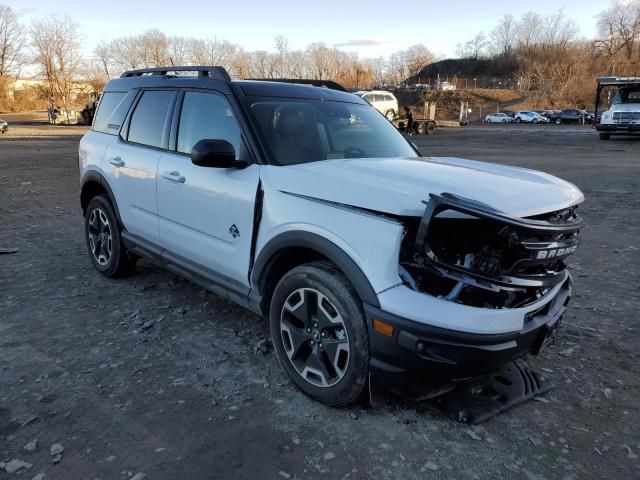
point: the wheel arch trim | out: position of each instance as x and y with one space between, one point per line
97 177
280 243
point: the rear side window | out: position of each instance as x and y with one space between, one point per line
149 117
107 105
388 98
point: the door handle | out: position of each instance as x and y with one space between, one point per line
174 177
116 162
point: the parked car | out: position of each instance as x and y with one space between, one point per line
550 114
4 126
530 117
569 116
446 86
498 118
385 102
300 202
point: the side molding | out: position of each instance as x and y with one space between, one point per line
321 245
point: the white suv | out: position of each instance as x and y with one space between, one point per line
385 102
303 204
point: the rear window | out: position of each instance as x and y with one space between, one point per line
107 105
149 117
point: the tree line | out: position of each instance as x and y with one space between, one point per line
553 62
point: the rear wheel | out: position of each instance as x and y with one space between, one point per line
518 120
431 127
420 128
558 121
605 136
102 234
319 333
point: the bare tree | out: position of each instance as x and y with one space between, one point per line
473 48
282 52
417 57
56 49
12 42
503 36
620 25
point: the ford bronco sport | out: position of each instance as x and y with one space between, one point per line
301 202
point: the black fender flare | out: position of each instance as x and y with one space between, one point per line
321 245
97 177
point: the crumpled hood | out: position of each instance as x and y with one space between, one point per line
398 186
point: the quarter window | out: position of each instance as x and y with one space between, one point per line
108 103
207 116
149 117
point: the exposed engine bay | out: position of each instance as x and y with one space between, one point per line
470 253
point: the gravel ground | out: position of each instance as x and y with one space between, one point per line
153 375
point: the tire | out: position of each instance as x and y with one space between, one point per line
518 120
431 127
104 244
301 333
504 121
605 136
535 120
420 128
558 121
391 115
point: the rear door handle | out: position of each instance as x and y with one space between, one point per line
116 162
174 177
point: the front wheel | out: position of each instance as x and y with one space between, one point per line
518 120
102 235
319 333
421 129
558 121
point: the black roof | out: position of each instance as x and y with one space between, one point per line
217 78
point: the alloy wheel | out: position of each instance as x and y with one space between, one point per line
100 239
314 337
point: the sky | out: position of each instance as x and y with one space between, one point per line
369 28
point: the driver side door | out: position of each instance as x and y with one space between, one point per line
205 214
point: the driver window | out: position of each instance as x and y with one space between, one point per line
207 116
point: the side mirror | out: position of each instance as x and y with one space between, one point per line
215 154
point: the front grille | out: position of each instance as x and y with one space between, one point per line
626 117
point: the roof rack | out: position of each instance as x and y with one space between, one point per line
330 84
214 72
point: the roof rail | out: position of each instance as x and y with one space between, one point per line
330 84
217 73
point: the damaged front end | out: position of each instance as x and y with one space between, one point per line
470 253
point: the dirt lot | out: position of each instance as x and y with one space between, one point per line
154 375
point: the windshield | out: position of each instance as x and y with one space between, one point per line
628 95
301 131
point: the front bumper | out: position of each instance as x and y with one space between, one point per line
418 359
622 128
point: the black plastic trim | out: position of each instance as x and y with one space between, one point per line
335 254
95 176
209 279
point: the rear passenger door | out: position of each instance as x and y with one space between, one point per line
131 162
206 214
